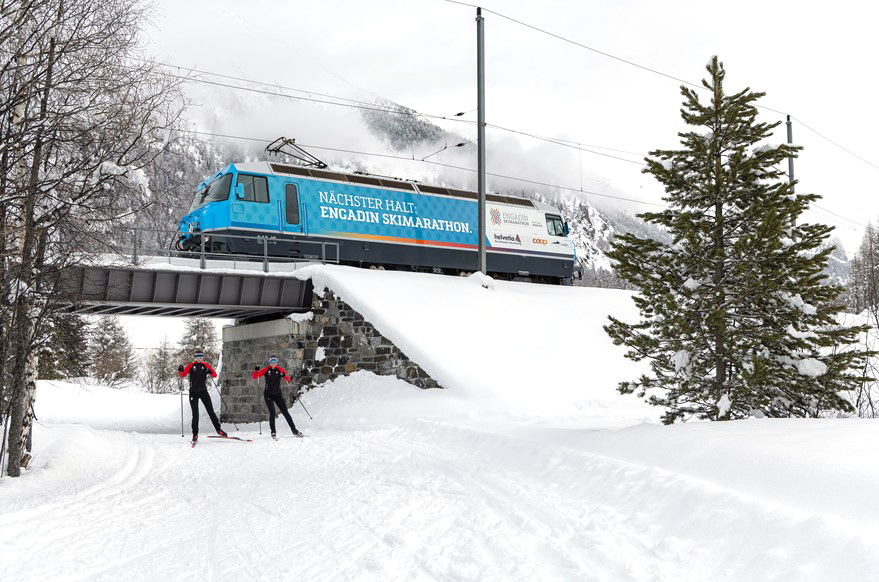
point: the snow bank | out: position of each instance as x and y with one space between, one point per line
538 350
106 408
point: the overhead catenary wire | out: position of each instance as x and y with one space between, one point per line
834 143
575 43
654 71
267 84
325 102
827 217
569 144
839 216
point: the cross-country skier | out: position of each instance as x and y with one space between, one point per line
198 371
272 393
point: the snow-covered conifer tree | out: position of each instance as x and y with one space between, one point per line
199 334
863 285
737 318
112 352
65 350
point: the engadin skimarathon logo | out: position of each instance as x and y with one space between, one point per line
515 218
499 217
508 239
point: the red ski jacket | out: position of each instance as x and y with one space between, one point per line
273 377
198 375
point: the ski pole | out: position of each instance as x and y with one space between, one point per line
180 388
257 391
297 374
303 407
222 403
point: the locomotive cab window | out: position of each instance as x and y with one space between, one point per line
218 190
256 188
291 203
554 225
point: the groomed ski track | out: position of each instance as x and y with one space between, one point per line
396 483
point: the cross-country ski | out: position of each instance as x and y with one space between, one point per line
230 438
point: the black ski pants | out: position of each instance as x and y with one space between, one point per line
271 399
205 398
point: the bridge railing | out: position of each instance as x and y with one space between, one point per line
141 244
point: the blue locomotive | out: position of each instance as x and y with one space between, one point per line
299 212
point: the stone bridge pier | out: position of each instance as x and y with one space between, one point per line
329 341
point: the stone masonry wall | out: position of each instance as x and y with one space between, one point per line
242 395
342 342
335 342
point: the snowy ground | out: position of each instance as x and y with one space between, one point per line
395 483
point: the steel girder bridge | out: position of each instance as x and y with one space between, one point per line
247 296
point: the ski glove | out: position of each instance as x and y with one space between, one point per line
256 368
179 368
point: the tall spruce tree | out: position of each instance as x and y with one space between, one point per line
736 316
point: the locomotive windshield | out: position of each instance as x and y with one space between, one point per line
554 225
216 191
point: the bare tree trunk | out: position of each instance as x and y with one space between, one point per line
23 383
19 338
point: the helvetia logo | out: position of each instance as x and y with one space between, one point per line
507 238
495 216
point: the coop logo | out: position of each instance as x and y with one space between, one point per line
508 239
540 241
495 216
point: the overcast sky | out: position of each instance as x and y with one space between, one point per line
815 61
